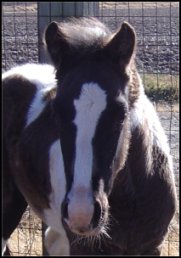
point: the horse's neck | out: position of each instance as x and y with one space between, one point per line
148 147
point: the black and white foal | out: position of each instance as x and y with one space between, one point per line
84 146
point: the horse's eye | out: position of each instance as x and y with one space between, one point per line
119 109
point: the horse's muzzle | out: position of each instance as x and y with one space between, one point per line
83 220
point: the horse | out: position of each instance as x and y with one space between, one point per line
84 147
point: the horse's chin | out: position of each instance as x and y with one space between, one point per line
94 232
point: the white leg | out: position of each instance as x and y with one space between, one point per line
56 243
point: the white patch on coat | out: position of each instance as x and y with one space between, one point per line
89 106
37 105
43 77
52 216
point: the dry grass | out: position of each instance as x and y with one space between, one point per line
136 5
171 244
26 240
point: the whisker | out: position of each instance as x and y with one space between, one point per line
106 234
77 239
95 240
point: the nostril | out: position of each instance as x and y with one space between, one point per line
65 210
97 214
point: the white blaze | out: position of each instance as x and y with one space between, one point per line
89 106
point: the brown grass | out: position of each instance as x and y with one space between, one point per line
26 240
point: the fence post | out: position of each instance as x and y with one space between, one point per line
56 11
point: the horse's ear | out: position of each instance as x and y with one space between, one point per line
56 42
121 47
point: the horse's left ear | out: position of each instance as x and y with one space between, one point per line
56 42
121 47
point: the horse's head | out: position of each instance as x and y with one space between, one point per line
92 104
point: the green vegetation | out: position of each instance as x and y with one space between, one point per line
161 87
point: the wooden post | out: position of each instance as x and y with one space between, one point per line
56 11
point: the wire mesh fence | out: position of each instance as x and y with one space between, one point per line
157 28
19 33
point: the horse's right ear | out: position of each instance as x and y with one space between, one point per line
56 42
